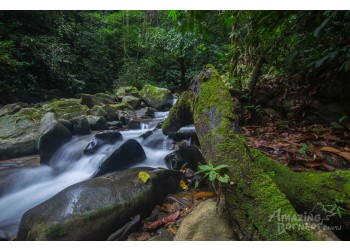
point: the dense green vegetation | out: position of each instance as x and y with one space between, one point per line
45 54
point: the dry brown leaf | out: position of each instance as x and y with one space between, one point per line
203 195
345 155
330 149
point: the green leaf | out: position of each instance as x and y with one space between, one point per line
211 165
204 167
303 148
144 176
212 175
224 179
220 167
196 184
341 119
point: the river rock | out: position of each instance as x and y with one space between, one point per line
102 138
94 209
10 109
67 124
113 109
132 101
4 236
146 112
125 116
134 125
106 98
127 91
190 156
90 100
19 133
81 125
97 111
115 125
97 122
52 136
129 153
66 108
204 223
158 98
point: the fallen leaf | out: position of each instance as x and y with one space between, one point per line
144 176
330 149
345 155
183 185
313 164
144 236
203 195
165 220
172 229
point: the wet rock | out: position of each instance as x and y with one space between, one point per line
125 116
127 91
10 109
81 125
129 153
66 108
101 139
185 134
52 136
113 109
158 98
122 233
146 112
94 209
189 156
67 124
97 111
97 122
163 235
133 124
115 125
204 223
106 98
4 236
146 135
90 100
19 133
132 101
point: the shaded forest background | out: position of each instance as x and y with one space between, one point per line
51 54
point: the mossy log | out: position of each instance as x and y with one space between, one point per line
256 194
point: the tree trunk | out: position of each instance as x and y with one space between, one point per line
256 197
255 76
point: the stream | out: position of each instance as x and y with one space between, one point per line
31 185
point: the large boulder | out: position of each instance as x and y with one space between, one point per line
10 109
204 223
97 111
81 125
94 209
189 156
106 98
97 122
146 112
19 133
129 153
132 101
112 110
90 100
66 108
127 90
52 136
158 98
102 138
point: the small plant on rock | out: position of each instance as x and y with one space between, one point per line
215 176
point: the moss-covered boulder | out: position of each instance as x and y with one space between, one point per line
94 209
97 111
158 98
106 98
52 136
97 122
19 133
66 108
112 110
132 101
127 90
81 125
10 109
90 100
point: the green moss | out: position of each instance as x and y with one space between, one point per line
180 114
254 197
68 108
30 114
127 90
121 106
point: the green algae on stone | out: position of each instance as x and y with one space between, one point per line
157 98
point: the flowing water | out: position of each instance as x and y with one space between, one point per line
31 185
